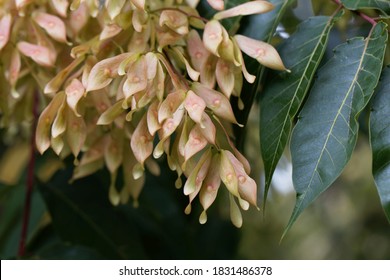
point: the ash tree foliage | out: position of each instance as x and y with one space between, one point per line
131 87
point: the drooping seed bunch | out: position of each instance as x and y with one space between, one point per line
126 82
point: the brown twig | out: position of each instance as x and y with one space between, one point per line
29 180
367 18
361 14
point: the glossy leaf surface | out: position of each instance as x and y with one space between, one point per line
325 135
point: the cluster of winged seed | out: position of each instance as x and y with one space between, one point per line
122 83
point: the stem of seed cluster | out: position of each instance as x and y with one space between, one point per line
178 80
29 180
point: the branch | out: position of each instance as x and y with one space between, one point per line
361 14
29 179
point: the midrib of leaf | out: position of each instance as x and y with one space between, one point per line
88 220
289 115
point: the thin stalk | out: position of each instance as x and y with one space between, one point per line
361 14
29 180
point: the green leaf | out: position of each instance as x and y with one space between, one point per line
168 234
83 217
326 133
383 5
231 24
283 97
268 21
47 245
12 200
380 140
82 214
250 28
